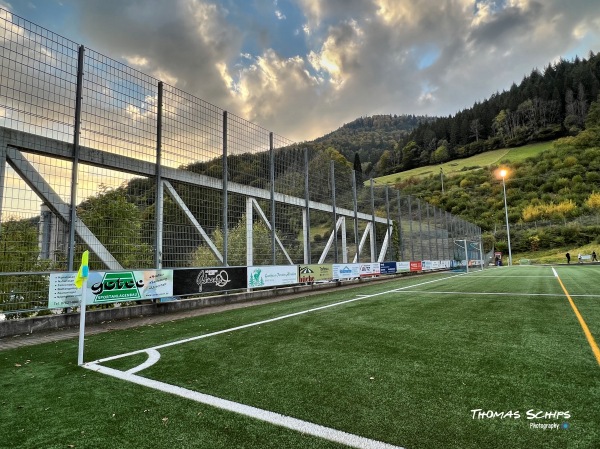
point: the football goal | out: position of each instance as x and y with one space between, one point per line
468 255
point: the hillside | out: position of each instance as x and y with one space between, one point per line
535 188
462 166
552 193
546 105
369 137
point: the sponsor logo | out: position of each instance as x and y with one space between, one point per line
219 278
256 279
116 287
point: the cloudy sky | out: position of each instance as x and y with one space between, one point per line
302 68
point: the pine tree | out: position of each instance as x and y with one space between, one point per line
358 170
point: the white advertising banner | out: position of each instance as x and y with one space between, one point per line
272 275
104 287
370 269
120 286
346 270
403 266
62 292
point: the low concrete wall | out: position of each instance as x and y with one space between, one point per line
11 328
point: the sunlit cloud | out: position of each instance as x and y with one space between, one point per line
304 68
138 61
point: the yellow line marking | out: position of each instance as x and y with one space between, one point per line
586 330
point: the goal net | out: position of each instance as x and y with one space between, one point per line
467 256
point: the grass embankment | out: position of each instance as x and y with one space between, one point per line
461 166
557 255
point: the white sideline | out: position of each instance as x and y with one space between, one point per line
288 422
492 293
270 320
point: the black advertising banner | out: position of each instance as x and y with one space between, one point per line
208 280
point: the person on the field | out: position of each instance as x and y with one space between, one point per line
568 258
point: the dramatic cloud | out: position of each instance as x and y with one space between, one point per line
303 68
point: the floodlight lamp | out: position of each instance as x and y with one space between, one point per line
503 173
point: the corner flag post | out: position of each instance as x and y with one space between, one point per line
81 282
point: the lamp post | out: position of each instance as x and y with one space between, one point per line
503 173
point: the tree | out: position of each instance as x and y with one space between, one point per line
593 202
236 244
592 120
358 171
441 154
384 163
500 124
117 223
475 127
18 246
19 253
409 155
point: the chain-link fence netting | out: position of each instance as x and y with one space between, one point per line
96 155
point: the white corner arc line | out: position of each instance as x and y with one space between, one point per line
153 357
288 422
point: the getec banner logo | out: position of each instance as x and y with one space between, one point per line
117 287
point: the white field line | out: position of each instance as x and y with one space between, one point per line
489 293
511 276
288 422
153 357
270 320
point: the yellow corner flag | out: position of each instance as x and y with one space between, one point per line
83 269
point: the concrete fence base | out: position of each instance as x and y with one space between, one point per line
9 328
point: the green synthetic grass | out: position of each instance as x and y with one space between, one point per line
405 367
460 166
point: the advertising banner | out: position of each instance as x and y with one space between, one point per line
387 267
415 265
191 281
105 287
272 275
346 270
369 269
435 264
426 265
62 292
315 273
402 266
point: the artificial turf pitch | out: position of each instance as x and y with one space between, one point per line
495 358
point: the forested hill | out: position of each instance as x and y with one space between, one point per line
547 104
369 136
